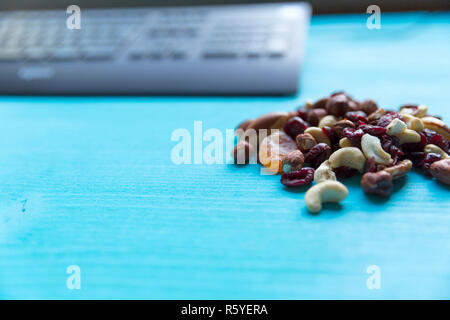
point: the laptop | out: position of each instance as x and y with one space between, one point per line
95 48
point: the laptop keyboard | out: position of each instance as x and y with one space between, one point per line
207 50
138 34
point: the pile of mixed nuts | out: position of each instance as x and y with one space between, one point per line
337 137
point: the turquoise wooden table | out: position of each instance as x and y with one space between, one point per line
90 182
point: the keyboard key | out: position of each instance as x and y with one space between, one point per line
36 54
178 55
219 55
10 54
98 53
137 54
156 55
277 48
65 54
253 54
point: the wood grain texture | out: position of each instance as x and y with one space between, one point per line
89 181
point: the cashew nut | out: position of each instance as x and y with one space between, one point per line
419 112
396 127
319 135
371 147
345 143
437 125
399 129
409 136
309 104
413 122
375 116
350 157
327 191
324 173
328 121
431 148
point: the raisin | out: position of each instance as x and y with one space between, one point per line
302 177
295 126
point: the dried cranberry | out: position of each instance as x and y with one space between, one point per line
318 154
395 160
354 135
370 165
295 126
356 116
426 163
414 147
395 141
330 134
416 157
360 123
396 151
387 118
373 130
396 154
344 172
298 178
302 113
386 142
435 138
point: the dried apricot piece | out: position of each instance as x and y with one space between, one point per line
274 148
